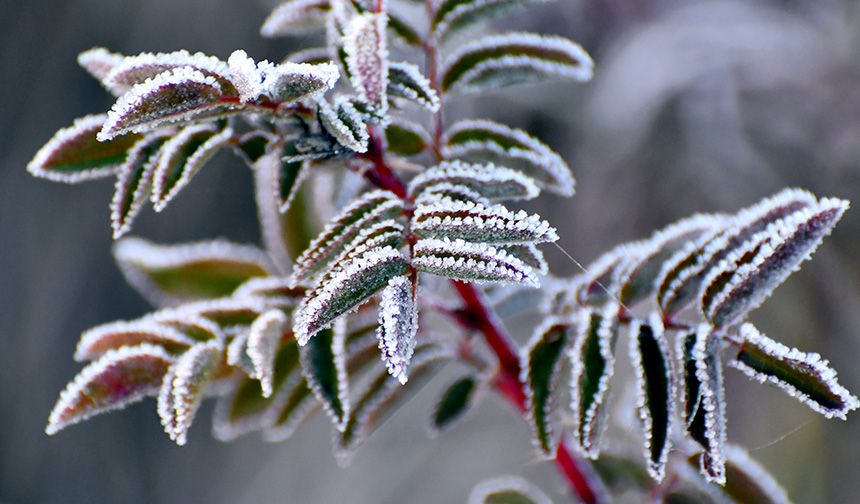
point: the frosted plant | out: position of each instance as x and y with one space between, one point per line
277 332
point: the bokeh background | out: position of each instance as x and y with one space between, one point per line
696 106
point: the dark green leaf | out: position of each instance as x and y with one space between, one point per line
455 402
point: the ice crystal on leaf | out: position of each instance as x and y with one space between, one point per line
512 58
118 378
367 59
492 182
295 17
99 62
74 155
805 376
398 325
175 96
264 338
471 262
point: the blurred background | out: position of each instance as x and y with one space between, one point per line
696 106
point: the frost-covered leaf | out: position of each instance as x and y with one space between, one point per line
284 83
324 367
704 399
435 193
470 262
184 386
656 396
683 274
134 70
295 17
752 273
541 361
455 402
367 58
381 397
312 55
369 208
475 222
514 58
748 481
484 140
264 339
99 62
386 233
290 82
226 312
406 81
289 180
345 124
490 181
404 32
406 137
507 490
98 340
599 282
203 270
398 325
508 301
355 281
254 145
134 182
118 378
74 155
190 324
178 95
245 408
643 261
805 376
182 157
455 15
592 358
529 254
277 290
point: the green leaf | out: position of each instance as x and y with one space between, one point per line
804 376
351 285
455 402
168 274
182 157
295 17
471 262
381 397
324 367
704 399
294 406
245 409
345 124
403 31
118 378
455 15
483 140
74 155
541 363
98 340
655 400
405 137
371 207
750 274
406 81
176 96
593 361
290 178
471 222
514 58
488 181
133 182
184 387
748 481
